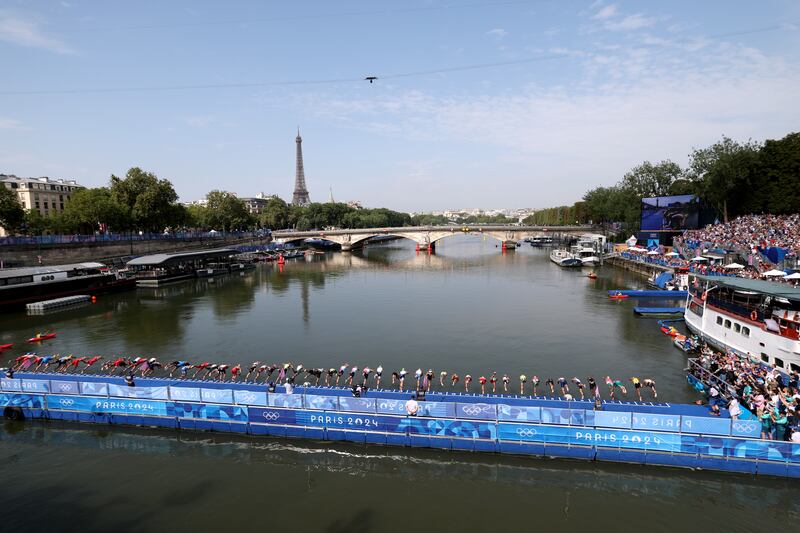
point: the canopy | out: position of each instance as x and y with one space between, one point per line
796 275
774 273
652 252
699 258
733 266
672 254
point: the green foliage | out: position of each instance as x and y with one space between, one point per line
12 215
35 223
87 209
722 169
149 204
224 211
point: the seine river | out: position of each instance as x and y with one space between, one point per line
468 308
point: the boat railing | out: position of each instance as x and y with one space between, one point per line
726 390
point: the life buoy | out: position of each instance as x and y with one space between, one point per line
703 297
754 316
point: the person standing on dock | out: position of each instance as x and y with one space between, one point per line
428 380
493 381
352 376
402 379
378 375
235 371
342 370
505 383
367 371
594 389
467 381
535 383
89 362
522 380
418 377
562 384
550 383
199 368
482 381
329 376
442 375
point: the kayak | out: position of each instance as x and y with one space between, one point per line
618 296
592 276
44 337
5 346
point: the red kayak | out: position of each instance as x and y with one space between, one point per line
5 346
618 296
41 338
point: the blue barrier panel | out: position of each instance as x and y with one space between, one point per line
91 388
514 412
437 409
611 419
14 385
216 395
106 405
64 387
614 438
260 415
705 425
556 416
448 428
476 411
246 397
397 407
348 421
35 385
746 428
29 401
358 405
658 422
185 394
315 401
285 400
199 411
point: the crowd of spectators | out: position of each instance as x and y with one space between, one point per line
770 395
748 233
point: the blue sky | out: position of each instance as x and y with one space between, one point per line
555 97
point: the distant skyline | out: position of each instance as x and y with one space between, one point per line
477 103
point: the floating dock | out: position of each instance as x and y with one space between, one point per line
658 311
650 294
642 433
58 303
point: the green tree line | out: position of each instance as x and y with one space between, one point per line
733 178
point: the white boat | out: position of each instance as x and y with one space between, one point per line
587 256
565 259
754 318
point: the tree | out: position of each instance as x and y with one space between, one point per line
775 181
275 214
721 169
649 180
196 216
225 211
150 203
11 213
35 223
87 209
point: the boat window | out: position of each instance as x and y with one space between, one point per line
779 362
728 324
19 279
765 358
737 327
794 367
719 320
746 331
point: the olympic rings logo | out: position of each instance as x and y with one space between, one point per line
474 410
248 396
66 402
271 416
744 427
526 432
64 387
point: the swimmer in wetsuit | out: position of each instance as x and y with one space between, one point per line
651 384
505 382
578 383
89 362
316 372
378 374
350 379
329 376
253 366
637 385
467 381
522 380
454 379
550 383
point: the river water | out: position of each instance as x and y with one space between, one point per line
469 308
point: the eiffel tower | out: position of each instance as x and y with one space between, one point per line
300 196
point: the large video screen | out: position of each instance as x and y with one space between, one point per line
670 213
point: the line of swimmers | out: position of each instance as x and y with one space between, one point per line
288 373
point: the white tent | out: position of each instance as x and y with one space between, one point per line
774 273
733 266
796 275
699 258
653 252
672 254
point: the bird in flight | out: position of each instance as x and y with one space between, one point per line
371 78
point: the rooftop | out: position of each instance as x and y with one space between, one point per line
52 269
770 288
172 259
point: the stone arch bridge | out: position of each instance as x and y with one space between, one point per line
427 236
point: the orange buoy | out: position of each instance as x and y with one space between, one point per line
94 299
